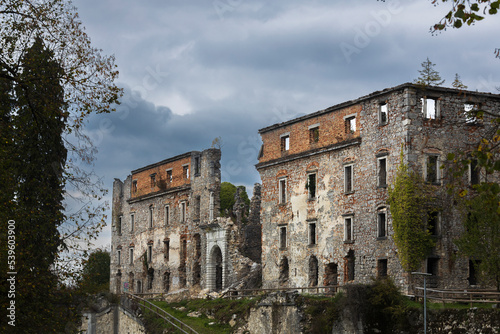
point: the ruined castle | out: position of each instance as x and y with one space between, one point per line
321 217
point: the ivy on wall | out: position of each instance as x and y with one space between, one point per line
409 199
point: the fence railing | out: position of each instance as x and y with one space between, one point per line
318 290
460 296
159 312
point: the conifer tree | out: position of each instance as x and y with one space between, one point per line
428 75
457 83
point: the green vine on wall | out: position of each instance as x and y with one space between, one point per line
409 199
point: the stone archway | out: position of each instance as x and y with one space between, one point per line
215 269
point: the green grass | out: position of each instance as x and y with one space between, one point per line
221 310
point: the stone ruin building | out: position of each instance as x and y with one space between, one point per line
325 218
167 234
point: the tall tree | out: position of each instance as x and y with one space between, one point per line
51 79
428 75
457 83
95 273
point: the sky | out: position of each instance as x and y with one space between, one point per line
196 70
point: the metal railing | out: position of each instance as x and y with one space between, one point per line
460 296
159 312
317 290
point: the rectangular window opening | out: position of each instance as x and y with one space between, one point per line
151 216
429 108
348 229
185 172
433 222
282 191
119 257
169 176
474 172
382 172
166 249
382 224
383 113
167 214
382 268
285 143
348 178
350 124
282 237
131 256
132 222
311 185
432 266
312 233
183 212
150 253
314 135
153 180
432 169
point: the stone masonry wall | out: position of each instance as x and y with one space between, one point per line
330 257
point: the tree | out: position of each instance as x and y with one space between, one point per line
228 192
409 202
428 76
457 83
50 79
95 273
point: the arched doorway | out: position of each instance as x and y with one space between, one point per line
313 271
215 269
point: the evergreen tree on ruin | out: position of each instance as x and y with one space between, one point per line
428 75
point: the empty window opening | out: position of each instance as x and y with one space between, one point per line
331 276
153 180
166 249
383 113
348 178
139 286
311 185
131 256
350 124
284 272
285 143
167 214
349 266
348 229
382 268
429 108
197 259
432 266
432 169
183 212
471 112
382 224
474 172
283 237
433 222
119 257
313 271
150 253
185 172
132 222
150 216
169 176
314 135
312 233
119 226
382 172
166 281
282 190
134 186
150 278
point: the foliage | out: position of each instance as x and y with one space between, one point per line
428 75
409 202
481 239
228 198
51 79
457 83
466 12
95 273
